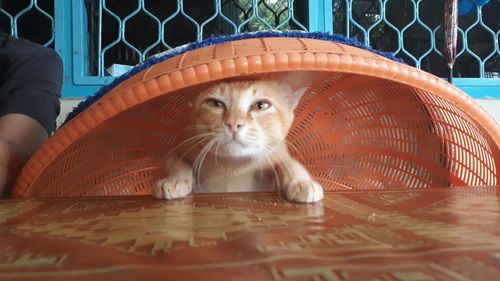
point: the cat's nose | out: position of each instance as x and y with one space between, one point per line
234 126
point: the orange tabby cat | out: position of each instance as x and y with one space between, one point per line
237 143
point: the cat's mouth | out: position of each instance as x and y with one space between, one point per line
236 141
236 147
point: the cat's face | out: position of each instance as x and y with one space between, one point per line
247 118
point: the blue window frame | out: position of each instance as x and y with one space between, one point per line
94 35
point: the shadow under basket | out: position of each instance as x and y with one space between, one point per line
365 122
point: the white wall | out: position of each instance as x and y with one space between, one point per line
492 106
67 106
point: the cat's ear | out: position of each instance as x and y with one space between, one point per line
295 95
298 81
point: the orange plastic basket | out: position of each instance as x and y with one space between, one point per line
366 122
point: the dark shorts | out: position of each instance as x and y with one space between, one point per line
30 81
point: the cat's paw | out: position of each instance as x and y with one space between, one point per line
307 191
172 188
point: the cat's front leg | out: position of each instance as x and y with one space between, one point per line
296 183
179 181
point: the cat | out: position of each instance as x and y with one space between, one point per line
237 143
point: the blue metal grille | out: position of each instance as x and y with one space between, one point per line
413 29
127 32
93 35
30 19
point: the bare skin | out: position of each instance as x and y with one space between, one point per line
20 136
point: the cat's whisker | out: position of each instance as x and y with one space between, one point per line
289 144
209 147
278 183
198 162
283 163
190 140
193 146
196 171
215 153
198 127
294 148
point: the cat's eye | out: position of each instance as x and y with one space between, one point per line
215 103
261 105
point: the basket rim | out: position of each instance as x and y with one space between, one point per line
155 81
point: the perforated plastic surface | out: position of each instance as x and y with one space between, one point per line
366 122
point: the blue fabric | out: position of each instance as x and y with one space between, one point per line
468 6
213 41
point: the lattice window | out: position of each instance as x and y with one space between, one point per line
92 35
30 19
127 32
413 29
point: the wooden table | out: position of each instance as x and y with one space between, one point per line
434 234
